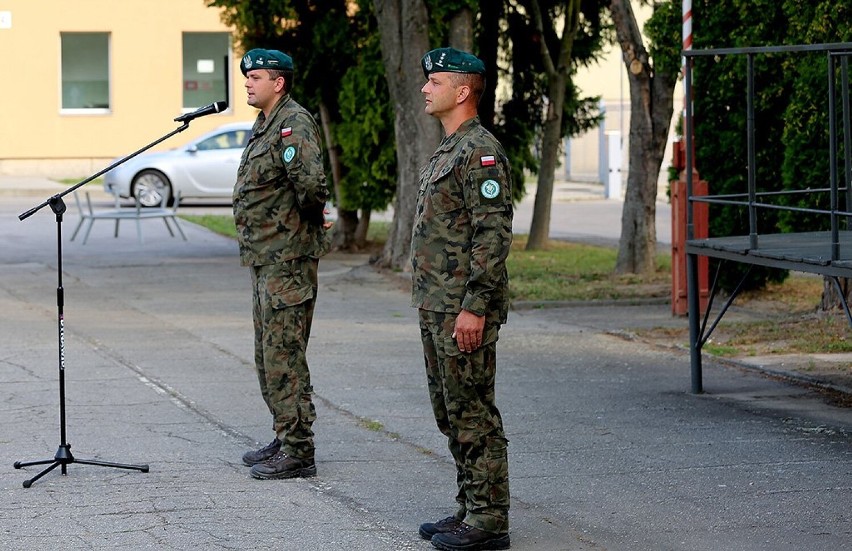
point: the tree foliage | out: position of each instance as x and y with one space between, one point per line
509 44
806 139
791 118
316 33
721 147
365 132
336 51
664 33
521 121
549 40
334 47
806 134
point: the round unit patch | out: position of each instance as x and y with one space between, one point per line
490 189
289 153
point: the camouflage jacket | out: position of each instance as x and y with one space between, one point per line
281 192
463 226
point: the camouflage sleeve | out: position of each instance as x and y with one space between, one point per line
301 154
488 195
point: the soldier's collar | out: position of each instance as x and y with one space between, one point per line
278 106
449 141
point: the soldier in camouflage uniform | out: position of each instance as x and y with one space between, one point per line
461 238
279 199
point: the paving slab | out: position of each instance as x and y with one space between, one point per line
608 449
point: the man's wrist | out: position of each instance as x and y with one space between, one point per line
474 305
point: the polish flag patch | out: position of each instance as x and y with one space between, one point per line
286 131
488 160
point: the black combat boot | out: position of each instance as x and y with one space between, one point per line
282 465
468 538
429 529
256 456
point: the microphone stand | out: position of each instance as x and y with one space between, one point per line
63 456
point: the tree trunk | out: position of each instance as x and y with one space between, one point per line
489 41
557 78
404 34
362 229
831 299
347 220
461 30
550 141
651 107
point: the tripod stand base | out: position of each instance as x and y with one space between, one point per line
64 458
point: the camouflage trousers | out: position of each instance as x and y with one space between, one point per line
284 296
461 388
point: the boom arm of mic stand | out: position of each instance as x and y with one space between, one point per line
55 198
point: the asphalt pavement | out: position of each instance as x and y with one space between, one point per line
608 448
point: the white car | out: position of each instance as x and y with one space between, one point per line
205 167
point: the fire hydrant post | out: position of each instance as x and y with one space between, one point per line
700 223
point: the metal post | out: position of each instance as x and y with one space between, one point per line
692 290
832 159
603 165
847 135
752 192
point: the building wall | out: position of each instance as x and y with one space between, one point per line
608 79
146 80
147 86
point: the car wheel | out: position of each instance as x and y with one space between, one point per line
150 186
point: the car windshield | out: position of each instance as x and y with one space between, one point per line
233 139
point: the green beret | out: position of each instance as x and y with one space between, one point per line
451 60
266 59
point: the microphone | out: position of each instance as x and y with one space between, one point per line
215 107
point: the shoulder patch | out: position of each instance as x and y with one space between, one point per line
289 153
489 189
286 131
487 160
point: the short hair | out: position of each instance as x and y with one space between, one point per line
474 81
274 74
